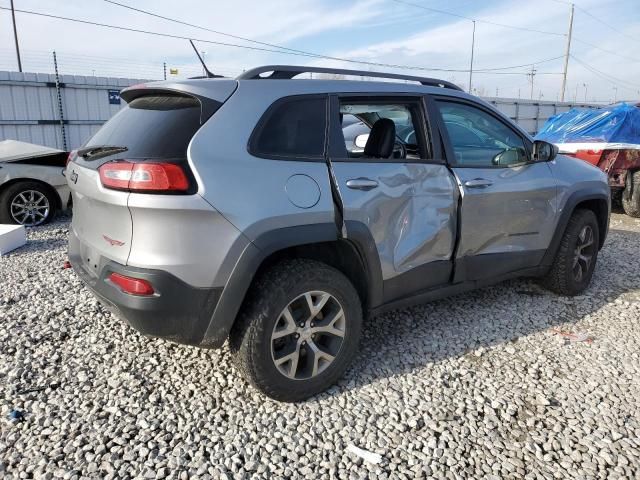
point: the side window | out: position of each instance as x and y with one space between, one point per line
382 129
293 128
479 139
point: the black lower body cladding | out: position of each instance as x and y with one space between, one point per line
178 312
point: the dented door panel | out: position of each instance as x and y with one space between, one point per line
411 213
516 213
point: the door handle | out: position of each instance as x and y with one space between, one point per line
362 183
478 183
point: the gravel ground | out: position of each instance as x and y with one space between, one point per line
475 386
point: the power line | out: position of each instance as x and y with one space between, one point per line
586 12
200 27
225 44
606 76
445 12
479 20
518 66
319 55
610 52
148 32
42 57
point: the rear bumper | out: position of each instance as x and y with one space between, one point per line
176 312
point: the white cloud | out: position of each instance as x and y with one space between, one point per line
420 39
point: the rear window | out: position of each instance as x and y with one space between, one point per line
153 126
293 128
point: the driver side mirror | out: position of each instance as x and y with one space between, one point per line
544 151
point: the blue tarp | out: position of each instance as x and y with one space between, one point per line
613 124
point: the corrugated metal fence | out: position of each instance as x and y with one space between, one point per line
31 106
532 114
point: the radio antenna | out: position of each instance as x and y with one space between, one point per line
209 73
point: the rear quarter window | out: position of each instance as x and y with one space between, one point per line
292 128
153 126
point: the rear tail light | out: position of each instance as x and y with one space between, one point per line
132 286
589 155
144 177
72 154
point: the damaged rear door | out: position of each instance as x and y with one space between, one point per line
402 193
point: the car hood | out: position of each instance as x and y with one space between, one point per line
14 151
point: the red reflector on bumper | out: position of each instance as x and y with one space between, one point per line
132 286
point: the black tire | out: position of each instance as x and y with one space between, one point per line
631 195
272 292
12 192
563 278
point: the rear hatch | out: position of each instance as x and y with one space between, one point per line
153 130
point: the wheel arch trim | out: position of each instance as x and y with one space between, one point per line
274 241
570 205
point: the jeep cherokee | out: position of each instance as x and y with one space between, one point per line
217 209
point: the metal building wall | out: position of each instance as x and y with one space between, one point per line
532 114
29 109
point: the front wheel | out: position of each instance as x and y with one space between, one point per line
298 331
575 260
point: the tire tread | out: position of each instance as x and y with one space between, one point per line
558 278
631 203
249 327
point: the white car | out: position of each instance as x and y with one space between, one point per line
33 187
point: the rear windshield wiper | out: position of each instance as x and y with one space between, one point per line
99 151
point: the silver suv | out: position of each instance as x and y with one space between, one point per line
234 208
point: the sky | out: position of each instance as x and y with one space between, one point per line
604 66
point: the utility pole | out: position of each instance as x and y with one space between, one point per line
473 46
164 69
615 94
15 36
585 92
531 75
566 55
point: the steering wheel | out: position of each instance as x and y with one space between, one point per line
399 150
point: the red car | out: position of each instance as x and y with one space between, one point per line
607 137
622 166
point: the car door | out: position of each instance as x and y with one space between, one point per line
508 205
407 200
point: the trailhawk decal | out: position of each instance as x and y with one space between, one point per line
113 242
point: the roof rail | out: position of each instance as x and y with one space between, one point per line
287 72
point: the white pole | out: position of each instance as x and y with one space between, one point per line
15 36
566 56
473 44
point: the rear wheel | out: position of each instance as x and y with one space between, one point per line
575 260
631 194
27 203
298 330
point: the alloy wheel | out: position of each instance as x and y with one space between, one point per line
30 208
308 335
583 254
